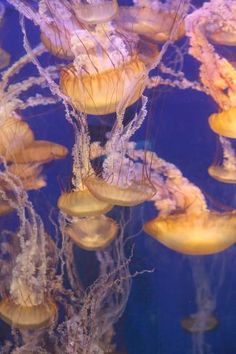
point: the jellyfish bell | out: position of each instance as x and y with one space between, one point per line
224 123
200 233
101 91
95 12
5 207
93 233
4 58
15 135
198 322
82 203
221 34
57 42
39 151
134 194
26 315
222 174
154 24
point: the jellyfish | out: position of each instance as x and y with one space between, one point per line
119 184
28 304
153 20
93 233
95 12
225 172
184 224
4 59
216 73
224 123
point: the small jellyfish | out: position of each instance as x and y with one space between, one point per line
226 172
4 59
224 123
155 24
40 151
82 203
199 322
194 234
94 233
15 135
95 11
103 91
131 195
26 315
5 207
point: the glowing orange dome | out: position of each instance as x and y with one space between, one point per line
93 233
15 135
27 317
40 151
103 92
224 123
82 203
195 234
222 174
135 194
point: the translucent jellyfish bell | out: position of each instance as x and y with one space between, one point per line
194 234
93 233
4 59
95 11
40 151
104 91
198 322
24 316
15 135
222 174
151 23
224 123
132 195
82 203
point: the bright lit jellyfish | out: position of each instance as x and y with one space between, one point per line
27 304
96 11
226 171
154 20
103 302
92 233
184 224
224 123
119 184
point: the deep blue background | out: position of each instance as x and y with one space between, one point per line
177 129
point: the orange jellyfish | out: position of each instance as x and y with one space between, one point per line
224 123
152 21
25 314
94 233
226 172
185 224
202 233
82 203
4 59
95 12
39 151
102 91
131 195
15 135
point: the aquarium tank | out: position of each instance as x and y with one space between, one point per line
117 178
